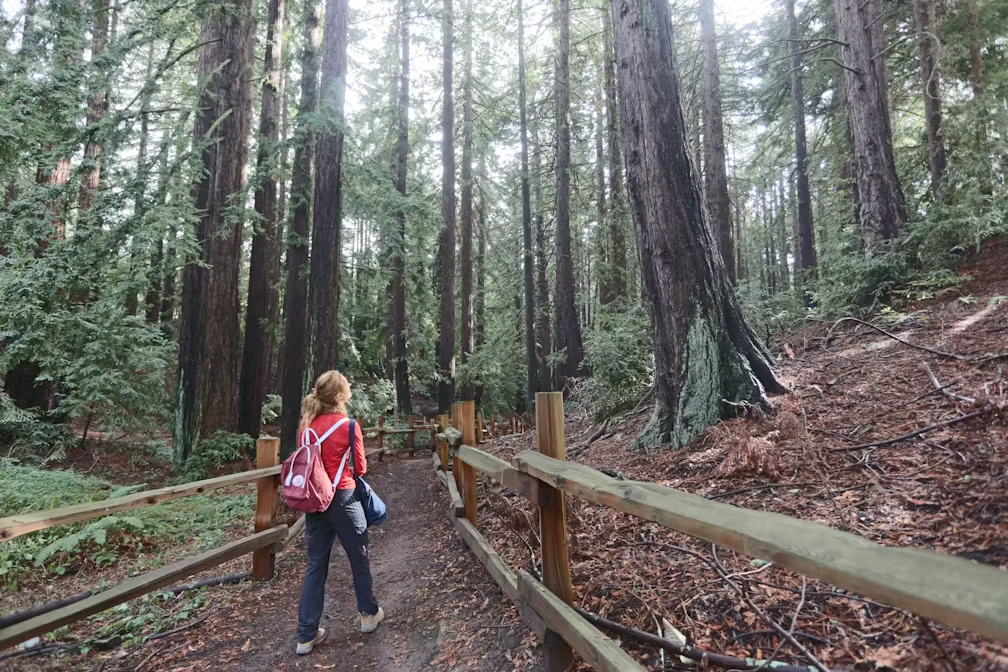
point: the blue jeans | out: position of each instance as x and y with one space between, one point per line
343 520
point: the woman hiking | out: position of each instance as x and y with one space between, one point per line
324 407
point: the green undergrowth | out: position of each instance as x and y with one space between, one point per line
149 536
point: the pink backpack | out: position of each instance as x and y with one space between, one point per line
306 486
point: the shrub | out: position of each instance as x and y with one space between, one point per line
620 354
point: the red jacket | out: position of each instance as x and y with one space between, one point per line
335 447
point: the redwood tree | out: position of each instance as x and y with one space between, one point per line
264 267
881 212
616 283
324 290
715 172
569 329
528 262
706 355
924 18
208 343
296 292
806 253
446 243
466 262
96 109
398 289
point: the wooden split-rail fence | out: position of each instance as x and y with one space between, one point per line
268 538
950 590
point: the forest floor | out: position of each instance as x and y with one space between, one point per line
443 611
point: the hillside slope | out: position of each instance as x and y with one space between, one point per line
946 489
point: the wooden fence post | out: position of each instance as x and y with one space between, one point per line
552 522
381 438
411 443
479 428
442 446
267 455
456 422
468 471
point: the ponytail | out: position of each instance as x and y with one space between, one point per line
311 408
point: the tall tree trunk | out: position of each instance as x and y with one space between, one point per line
569 333
481 282
296 291
96 109
152 300
542 303
924 16
976 61
806 238
264 267
446 244
881 210
705 352
528 262
715 172
398 293
467 203
782 231
326 250
617 253
601 245
208 365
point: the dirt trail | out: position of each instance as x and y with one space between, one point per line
444 612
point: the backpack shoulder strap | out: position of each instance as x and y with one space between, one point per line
350 448
329 431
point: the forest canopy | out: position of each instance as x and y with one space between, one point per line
208 203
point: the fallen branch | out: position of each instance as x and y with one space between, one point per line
941 388
917 432
691 652
882 331
974 359
723 573
574 452
765 486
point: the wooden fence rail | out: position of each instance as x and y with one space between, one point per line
953 591
16 525
268 540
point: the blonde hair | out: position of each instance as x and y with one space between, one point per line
330 395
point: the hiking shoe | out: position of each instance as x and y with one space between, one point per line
369 622
304 648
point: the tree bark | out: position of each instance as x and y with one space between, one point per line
96 110
466 261
881 210
926 25
326 250
528 261
296 291
542 304
208 366
601 245
976 61
264 266
617 252
446 244
705 352
398 293
715 171
806 237
480 299
569 333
